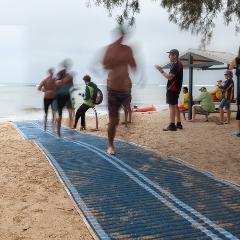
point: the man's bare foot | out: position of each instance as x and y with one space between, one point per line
111 150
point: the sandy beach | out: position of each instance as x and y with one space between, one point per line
35 205
33 202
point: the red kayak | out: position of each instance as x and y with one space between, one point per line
145 109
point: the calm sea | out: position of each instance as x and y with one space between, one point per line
26 102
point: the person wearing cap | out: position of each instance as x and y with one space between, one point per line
227 97
236 64
174 86
206 104
217 93
88 102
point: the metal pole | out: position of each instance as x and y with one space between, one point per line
96 117
238 92
238 81
190 62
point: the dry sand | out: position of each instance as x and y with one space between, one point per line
33 203
207 146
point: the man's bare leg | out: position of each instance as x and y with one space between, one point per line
130 114
194 113
177 112
172 110
53 117
70 115
45 122
59 121
221 115
113 122
126 116
228 116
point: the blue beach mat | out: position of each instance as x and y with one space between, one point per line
137 194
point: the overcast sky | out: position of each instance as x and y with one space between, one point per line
36 35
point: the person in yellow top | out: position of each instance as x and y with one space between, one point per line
184 106
217 93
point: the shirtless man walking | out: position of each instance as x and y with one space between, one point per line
64 84
48 86
118 57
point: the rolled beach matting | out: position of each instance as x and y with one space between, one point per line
137 194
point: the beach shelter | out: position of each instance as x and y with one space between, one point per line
204 60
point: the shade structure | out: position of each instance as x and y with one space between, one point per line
204 60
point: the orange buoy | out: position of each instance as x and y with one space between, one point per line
145 109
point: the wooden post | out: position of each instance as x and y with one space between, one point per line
190 63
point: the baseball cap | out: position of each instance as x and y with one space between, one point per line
174 51
229 72
202 88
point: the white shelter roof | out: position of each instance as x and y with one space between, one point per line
205 58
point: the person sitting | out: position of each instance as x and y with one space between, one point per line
206 104
184 106
227 97
217 93
88 102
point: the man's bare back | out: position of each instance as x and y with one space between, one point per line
48 86
117 59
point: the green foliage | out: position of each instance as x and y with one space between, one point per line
196 16
128 9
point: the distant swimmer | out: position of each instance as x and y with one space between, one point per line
48 86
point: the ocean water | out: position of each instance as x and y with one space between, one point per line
26 102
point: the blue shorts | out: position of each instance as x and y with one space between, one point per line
225 104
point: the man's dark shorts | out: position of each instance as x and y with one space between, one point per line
47 102
117 99
238 115
172 98
63 101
